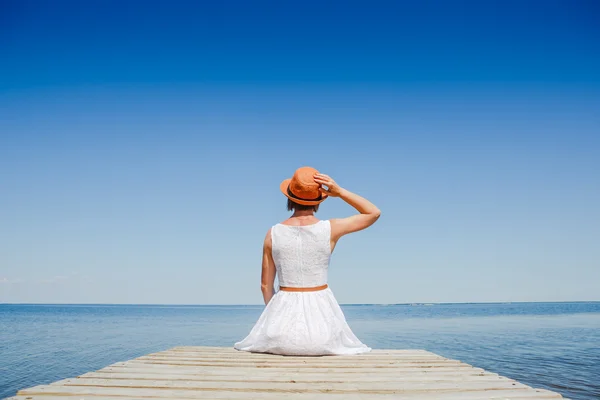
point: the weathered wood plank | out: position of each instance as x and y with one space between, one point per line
332 364
275 370
542 395
293 386
315 361
233 375
314 364
231 350
245 354
133 393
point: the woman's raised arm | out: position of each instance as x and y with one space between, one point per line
368 212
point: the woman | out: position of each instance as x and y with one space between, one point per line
303 317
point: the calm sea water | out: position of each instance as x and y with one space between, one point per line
549 345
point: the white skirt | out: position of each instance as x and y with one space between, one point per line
303 324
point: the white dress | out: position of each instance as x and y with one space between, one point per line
302 323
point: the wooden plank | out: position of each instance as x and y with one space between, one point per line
134 393
542 395
251 356
299 359
244 354
356 372
315 363
372 353
333 364
244 367
306 369
231 350
294 386
159 356
261 374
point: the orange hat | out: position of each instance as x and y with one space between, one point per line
302 188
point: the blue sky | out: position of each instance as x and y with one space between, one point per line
142 145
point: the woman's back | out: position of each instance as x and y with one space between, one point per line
303 317
301 253
302 322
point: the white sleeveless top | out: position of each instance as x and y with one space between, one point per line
302 253
302 323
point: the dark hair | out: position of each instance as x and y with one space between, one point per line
300 207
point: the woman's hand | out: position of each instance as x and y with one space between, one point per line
333 189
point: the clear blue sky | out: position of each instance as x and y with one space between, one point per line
142 145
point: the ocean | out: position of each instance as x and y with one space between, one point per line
555 346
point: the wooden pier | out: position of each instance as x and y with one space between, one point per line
224 373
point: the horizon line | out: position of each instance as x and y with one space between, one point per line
341 304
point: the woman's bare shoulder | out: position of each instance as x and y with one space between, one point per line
268 240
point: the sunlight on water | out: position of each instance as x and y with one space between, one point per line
547 345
